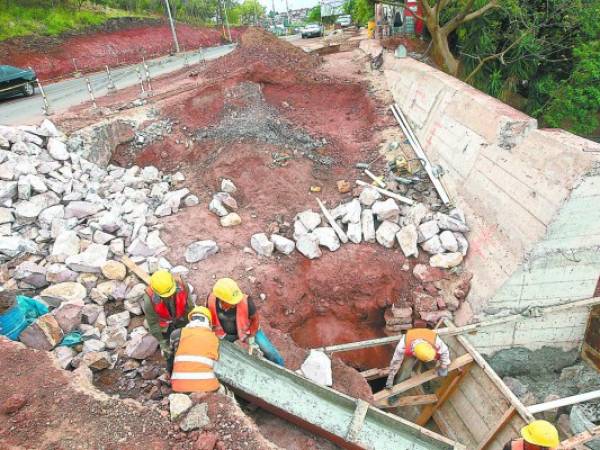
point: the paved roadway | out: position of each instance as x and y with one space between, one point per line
67 93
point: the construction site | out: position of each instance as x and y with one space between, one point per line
353 195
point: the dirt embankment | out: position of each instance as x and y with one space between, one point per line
117 42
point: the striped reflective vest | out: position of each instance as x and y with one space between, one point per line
245 326
423 334
194 359
180 298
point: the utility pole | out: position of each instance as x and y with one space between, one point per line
172 26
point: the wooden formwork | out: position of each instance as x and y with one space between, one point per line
474 409
471 405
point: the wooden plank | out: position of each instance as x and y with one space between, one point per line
471 417
455 331
340 233
579 439
493 376
358 419
565 401
448 387
391 194
416 145
506 417
454 423
411 400
374 374
142 275
418 380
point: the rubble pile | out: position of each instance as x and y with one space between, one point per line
65 225
370 218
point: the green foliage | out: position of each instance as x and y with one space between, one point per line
314 15
546 53
18 20
361 11
575 101
247 13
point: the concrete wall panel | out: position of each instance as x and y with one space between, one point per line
531 197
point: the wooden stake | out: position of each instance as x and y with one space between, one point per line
343 237
579 439
506 417
418 380
391 194
412 400
566 401
142 275
444 392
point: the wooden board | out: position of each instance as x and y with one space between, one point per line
475 413
418 380
590 350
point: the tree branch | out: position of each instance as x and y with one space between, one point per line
499 55
465 16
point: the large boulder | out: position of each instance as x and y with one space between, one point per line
91 260
261 244
68 292
200 250
43 334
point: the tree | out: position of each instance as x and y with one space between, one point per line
247 13
314 15
361 11
538 55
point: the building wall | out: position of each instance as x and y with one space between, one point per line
529 195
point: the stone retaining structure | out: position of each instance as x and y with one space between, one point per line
531 194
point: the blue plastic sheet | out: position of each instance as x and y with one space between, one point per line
71 339
19 316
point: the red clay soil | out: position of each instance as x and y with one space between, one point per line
49 413
53 57
337 298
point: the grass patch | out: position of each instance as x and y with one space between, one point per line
17 21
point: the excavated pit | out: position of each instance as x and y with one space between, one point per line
277 129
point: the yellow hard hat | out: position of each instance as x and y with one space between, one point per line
228 291
540 432
424 351
200 310
163 283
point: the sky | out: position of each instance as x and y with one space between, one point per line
293 4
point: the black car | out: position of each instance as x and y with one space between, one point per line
14 80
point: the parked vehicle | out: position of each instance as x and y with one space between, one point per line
14 80
312 30
344 21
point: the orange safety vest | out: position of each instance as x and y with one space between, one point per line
180 298
245 326
424 334
193 364
517 444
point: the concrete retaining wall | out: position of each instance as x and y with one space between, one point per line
530 195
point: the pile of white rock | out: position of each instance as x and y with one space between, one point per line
224 205
370 218
65 223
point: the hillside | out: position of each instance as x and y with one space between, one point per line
20 21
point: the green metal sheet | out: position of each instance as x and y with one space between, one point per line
330 411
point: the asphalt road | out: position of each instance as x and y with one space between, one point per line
71 92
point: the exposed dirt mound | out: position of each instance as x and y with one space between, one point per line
118 42
264 57
47 411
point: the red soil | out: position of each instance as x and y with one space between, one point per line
92 52
54 414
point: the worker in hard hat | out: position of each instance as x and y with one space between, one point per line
538 435
196 349
418 344
235 317
167 303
